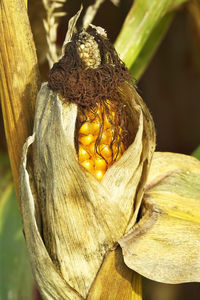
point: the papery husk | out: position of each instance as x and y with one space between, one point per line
165 245
49 280
115 280
82 218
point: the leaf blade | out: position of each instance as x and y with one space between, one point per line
143 19
165 245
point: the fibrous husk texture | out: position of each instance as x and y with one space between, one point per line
165 244
70 218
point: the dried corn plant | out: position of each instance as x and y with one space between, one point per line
99 206
53 13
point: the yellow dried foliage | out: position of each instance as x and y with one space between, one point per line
165 244
19 78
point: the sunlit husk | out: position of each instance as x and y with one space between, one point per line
19 77
115 280
82 217
165 245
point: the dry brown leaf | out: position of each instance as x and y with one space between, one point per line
18 84
165 245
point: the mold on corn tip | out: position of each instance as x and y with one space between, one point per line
88 50
89 71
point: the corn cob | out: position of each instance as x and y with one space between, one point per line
98 146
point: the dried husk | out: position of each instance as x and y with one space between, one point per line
82 218
50 281
165 245
19 78
115 280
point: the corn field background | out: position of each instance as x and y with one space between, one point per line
160 43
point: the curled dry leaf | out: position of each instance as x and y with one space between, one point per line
51 283
165 244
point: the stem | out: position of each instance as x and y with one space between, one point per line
141 20
19 78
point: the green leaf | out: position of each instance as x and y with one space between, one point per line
151 45
16 282
196 152
145 18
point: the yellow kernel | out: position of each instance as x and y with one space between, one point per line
115 148
83 154
108 102
90 115
109 134
122 148
105 151
107 123
99 174
104 137
100 164
111 107
92 148
95 114
118 146
99 111
95 126
110 131
97 160
85 128
118 156
88 165
113 115
86 139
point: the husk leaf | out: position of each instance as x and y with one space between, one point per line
165 245
82 218
49 280
115 280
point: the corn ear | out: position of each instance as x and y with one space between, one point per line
72 220
82 217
